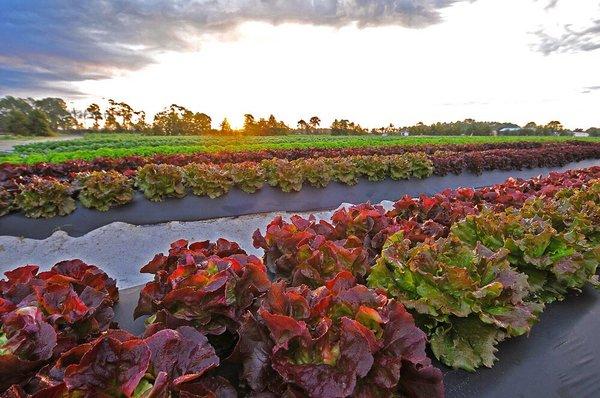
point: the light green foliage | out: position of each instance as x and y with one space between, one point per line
247 176
409 165
490 278
45 198
207 179
345 171
159 181
375 168
466 343
555 242
317 172
102 190
286 175
448 282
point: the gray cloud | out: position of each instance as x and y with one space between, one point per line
45 42
571 40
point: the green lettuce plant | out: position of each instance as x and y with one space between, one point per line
409 165
286 175
555 260
345 171
317 172
419 163
456 290
45 198
247 176
375 168
159 181
102 190
207 179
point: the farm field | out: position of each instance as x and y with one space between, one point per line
121 145
458 272
300 199
49 190
370 300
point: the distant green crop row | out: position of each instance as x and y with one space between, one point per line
120 145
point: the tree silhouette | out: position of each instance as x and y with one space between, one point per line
302 125
315 122
226 127
93 112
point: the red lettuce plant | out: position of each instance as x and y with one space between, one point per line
306 252
205 285
170 363
339 340
43 315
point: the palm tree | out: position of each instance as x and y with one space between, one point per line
315 122
302 125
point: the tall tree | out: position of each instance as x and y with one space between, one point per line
555 126
57 113
39 124
16 122
315 122
110 116
226 127
250 127
140 121
302 125
93 112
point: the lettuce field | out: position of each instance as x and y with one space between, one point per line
372 301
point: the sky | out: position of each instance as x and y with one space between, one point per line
371 61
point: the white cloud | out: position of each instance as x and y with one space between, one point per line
479 63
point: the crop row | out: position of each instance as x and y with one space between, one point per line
473 266
48 197
63 169
101 190
339 318
118 146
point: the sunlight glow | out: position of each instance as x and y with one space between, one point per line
478 63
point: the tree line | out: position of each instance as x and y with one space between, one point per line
28 116
47 116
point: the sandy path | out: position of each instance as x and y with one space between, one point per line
8 145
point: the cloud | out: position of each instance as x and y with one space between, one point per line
51 42
570 40
589 89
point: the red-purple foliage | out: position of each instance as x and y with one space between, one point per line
169 363
339 340
43 315
206 285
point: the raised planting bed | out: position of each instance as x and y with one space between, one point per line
235 203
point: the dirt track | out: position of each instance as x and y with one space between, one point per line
8 145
